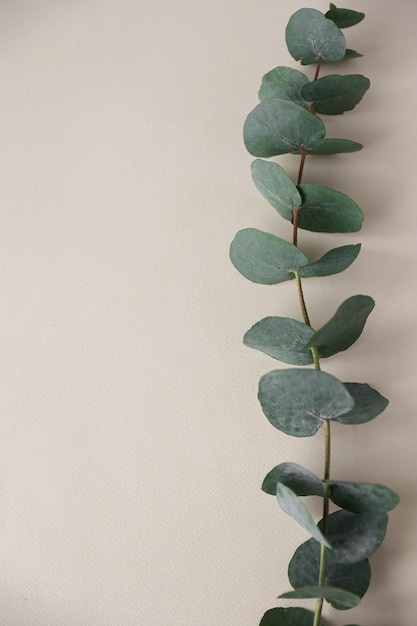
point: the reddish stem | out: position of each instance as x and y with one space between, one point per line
316 75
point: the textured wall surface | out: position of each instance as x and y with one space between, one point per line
132 445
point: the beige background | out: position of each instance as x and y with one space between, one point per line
132 445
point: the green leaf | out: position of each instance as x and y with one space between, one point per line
264 258
310 36
333 146
352 54
282 338
297 401
344 328
293 506
304 568
297 478
354 537
277 126
285 83
335 94
328 211
363 497
274 184
332 262
368 404
293 616
344 599
344 18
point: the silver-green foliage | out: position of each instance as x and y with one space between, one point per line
333 564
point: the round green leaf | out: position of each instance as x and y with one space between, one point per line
344 18
291 504
282 338
293 616
333 146
274 184
332 262
344 599
285 83
335 94
297 401
354 537
304 568
310 36
297 478
344 328
264 258
277 126
328 211
368 404
363 497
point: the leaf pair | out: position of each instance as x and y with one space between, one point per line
290 341
360 498
330 95
297 401
320 209
277 126
266 259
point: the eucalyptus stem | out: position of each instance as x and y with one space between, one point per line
316 359
301 298
323 549
316 75
301 168
319 601
327 448
326 499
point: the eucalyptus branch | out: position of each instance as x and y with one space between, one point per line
333 565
